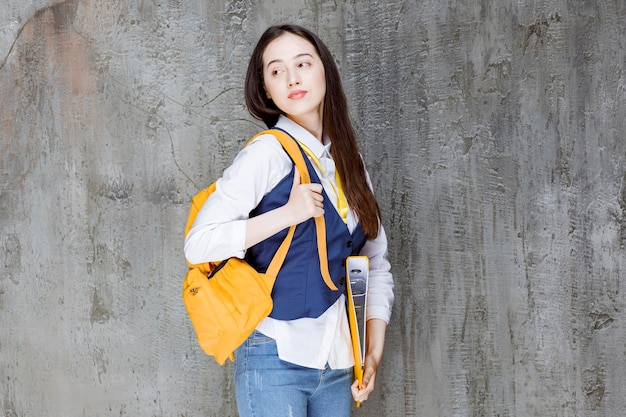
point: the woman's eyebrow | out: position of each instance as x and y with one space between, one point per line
295 57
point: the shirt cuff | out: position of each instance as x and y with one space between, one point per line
378 312
237 238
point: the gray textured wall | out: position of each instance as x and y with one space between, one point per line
494 133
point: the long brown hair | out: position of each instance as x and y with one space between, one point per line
336 119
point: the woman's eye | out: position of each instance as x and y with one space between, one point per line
277 71
305 64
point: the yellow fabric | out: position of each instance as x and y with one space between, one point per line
342 202
224 312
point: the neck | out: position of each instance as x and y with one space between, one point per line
312 123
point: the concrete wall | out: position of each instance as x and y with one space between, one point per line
494 133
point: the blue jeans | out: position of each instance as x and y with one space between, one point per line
266 386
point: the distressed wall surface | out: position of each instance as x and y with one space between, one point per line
494 133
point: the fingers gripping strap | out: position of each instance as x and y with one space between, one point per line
292 148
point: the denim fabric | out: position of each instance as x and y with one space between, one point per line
266 386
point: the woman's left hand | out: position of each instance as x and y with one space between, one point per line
369 382
376 329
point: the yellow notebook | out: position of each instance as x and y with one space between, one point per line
357 271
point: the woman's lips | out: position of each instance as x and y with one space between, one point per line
297 94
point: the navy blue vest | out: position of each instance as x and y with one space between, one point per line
300 290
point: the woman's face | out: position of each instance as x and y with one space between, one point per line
294 77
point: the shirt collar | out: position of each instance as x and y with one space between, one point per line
304 136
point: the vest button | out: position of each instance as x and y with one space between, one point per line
349 244
343 262
342 281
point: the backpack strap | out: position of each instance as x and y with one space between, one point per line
295 153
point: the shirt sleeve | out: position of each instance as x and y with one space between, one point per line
219 230
380 283
380 294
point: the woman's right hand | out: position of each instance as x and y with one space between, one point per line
305 200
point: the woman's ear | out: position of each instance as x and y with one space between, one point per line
267 94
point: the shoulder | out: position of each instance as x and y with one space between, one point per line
262 162
267 140
264 148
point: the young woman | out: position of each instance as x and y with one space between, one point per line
298 362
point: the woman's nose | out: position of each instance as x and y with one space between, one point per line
294 80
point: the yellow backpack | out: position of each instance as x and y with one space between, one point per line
226 300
